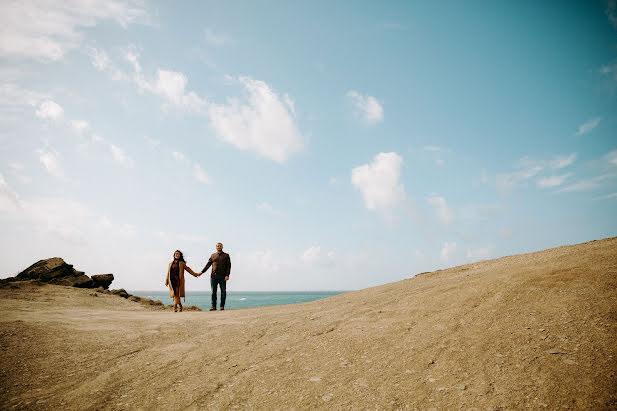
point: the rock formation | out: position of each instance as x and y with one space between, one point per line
57 271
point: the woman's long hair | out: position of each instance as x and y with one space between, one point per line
181 256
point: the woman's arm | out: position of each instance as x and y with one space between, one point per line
193 273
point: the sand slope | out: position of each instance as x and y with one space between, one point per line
535 330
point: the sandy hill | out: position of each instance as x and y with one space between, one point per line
535 330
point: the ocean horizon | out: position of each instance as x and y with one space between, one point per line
240 299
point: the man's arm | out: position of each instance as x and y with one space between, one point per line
207 265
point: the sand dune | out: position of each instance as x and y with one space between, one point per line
535 330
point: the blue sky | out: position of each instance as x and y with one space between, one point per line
328 146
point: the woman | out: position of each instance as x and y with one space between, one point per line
175 278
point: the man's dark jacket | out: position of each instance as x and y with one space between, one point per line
221 265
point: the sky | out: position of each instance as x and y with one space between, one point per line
327 145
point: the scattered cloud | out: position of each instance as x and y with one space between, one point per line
611 158
379 182
561 161
526 169
261 122
419 254
200 175
606 197
553 181
448 252
79 126
170 85
49 109
99 58
588 126
216 39
476 254
46 31
314 256
120 156
153 143
588 184
267 208
332 180
611 12
51 164
444 212
368 108
178 156
263 261
12 96
9 201
484 177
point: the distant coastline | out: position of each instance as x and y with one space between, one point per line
243 299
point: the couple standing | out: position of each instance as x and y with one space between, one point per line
221 267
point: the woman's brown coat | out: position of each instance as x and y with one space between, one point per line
181 267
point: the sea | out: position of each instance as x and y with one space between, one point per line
240 299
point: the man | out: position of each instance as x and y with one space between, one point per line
221 266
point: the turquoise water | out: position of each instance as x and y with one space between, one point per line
241 299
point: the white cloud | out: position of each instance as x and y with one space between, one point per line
588 126
553 181
170 85
447 252
99 58
476 254
611 12
332 180
12 96
263 261
120 156
612 158
261 123
46 31
563 161
379 182
313 256
216 39
201 175
50 110
267 208
152 142
484 177
527 168
435 149
606 197
588 184
9 201
51 163
178 156
367 107
419 254
444 212
79 126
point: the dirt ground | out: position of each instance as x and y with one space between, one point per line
528 331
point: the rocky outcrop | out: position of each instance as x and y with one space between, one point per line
102 280
57 271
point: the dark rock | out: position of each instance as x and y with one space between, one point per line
121 292
102 280
83 282
48 269
135 298
100 290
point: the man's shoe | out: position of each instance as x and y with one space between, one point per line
222 308
212 309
